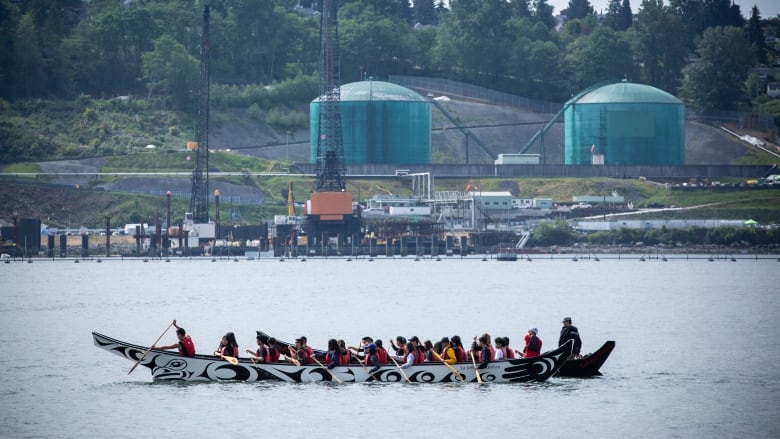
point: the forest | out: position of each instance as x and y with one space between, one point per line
264 53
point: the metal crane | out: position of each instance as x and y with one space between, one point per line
199 201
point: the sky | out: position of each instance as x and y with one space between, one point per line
767 8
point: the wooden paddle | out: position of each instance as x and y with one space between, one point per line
338 380
457 374
229 359
474 362
150 348
291 358
252 355
399 368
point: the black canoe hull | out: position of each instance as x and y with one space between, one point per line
589 365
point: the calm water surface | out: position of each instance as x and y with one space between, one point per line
696 351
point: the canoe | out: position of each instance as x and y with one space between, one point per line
171 366
588 365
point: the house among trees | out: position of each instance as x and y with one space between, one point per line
773 89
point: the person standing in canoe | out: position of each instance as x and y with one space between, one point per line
185 345
228 346
533 344
570 332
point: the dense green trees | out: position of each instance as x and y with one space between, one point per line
657 36
64 48
716 81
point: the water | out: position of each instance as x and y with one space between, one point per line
695 357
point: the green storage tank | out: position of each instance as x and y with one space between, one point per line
381 123
624 124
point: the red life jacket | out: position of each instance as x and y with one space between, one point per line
308 354
510 354
534 347
344 358
460 353
273 355
492 352
226 351
381 353
186 346
419 356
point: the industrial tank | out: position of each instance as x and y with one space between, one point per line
624 124
381 123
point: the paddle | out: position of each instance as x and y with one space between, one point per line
457 374
331 373
252 355
150 348
292 358
359 360
474 362
399 368
231 360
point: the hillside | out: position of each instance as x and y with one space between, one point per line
258 147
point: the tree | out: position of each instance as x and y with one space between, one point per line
9 17
716 81
520 8
756 35
556 232
612 17
169 69
373 45
600 56
691 12
657 36
578 9
425 11
474 40
626 17
722 13
31 75
543 12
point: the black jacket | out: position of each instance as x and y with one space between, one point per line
570 333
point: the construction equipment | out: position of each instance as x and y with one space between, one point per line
199 200
329 211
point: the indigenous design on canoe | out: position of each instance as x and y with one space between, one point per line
167 365
588 365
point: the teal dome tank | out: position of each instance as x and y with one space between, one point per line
624 124
381 123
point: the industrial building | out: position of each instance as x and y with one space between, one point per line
624 124
381 123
